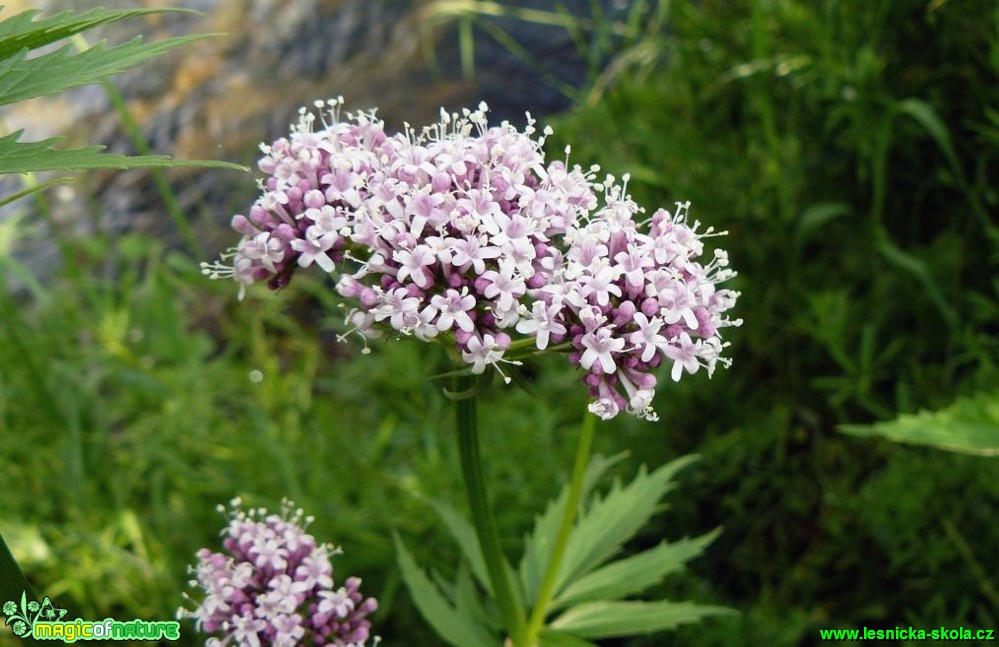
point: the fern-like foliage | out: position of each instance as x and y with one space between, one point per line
26 73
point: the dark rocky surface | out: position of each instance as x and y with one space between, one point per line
218 98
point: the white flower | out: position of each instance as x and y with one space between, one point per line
605 408
647 336
264 248
505 286
542 323
481 352
683 352
601 285
313 248
413 264
599 345
454 307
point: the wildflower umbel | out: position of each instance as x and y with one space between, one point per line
273 585
464 232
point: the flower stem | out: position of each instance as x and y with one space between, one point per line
547 589
482 517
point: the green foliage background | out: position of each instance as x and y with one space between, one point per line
851 149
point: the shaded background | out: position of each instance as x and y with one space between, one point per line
850 149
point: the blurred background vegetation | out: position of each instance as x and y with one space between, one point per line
851 150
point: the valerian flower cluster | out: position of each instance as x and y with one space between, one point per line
273 585
464 232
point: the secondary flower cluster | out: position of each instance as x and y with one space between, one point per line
464 232
273 585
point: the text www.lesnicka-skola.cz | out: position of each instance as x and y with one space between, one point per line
908 633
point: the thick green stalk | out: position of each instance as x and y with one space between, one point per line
547 589
482 516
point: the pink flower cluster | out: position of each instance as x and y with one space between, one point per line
273 585
465 232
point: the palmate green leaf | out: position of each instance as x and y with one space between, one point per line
613 619
25 78
970 426
634 574
538 545
26 157
21 31
610 522
451 624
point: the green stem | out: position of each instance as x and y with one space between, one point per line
547 589
482 518
134 132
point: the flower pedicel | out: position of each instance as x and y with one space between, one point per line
464 231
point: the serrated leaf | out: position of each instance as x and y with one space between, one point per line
467 599
25 157
613 619
464 534
634 574
456 629
970 426
538 545
614 520
25 78
21 31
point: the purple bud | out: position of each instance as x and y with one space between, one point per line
537 281
368 297
314 199
243 226
349 287
285 232
625 313
261 217
441 183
